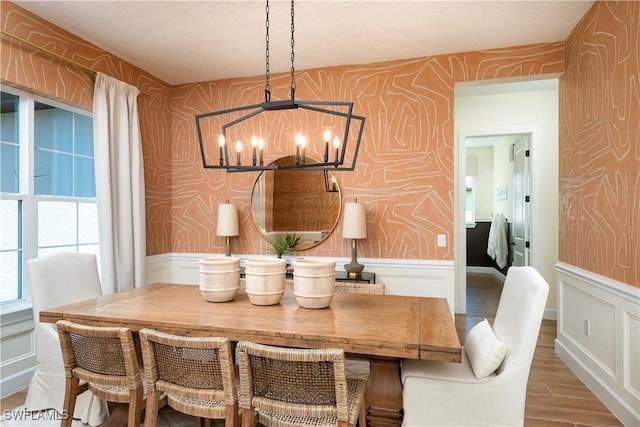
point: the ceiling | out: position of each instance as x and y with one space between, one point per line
193 41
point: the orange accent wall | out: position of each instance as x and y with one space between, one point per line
405 169
600 143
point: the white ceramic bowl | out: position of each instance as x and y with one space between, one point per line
219 273
314 282
265 298
219 295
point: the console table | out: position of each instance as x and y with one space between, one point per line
365 277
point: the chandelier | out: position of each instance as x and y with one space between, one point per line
334 132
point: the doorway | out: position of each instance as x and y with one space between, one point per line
503 108
497 171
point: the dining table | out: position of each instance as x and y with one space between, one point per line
385 329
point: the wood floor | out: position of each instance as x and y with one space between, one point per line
555 396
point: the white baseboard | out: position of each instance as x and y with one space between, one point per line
16 383
598 337
486 270
627 415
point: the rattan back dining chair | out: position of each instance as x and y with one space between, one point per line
105 359
196 374
287 387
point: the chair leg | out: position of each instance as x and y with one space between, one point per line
203 422
362 418
153 406
71 387
248 417
136 404
231 415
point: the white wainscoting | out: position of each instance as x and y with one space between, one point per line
18 349
599 337
400 277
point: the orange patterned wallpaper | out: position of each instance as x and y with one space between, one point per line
405 168
600 144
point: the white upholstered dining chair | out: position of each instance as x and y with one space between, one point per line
489 387
58 279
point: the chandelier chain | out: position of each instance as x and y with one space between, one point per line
267 89
293 56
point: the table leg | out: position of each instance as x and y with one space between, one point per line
384 393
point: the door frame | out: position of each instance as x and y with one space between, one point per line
459 223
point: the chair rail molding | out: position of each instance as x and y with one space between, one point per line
598 337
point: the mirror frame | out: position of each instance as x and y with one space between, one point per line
335 223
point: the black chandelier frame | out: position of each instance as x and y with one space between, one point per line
338 164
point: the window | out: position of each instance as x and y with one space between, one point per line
47 185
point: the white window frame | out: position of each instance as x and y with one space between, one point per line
26 126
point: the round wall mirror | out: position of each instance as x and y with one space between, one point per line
304 203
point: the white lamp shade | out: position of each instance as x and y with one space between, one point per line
227 220
355 221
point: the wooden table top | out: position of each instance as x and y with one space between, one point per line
376 325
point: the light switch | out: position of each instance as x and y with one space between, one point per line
442 240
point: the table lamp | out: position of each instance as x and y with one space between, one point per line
354 228
227 223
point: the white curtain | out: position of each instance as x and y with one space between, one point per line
119 184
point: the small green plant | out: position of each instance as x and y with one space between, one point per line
282 244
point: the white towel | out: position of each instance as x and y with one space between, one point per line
491 242
497 245
502 246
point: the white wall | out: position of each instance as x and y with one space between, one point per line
524 111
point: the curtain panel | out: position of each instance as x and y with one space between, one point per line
119 184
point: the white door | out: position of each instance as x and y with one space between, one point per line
520 231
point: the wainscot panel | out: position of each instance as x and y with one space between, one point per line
599 337
400 277
18 349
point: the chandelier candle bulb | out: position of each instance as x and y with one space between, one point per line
221 144
254 144
238 149
298 141
261 147
327 136
336 144
303 144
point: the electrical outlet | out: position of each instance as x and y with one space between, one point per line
587 327
442 240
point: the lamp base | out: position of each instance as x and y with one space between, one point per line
227 247
354 268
